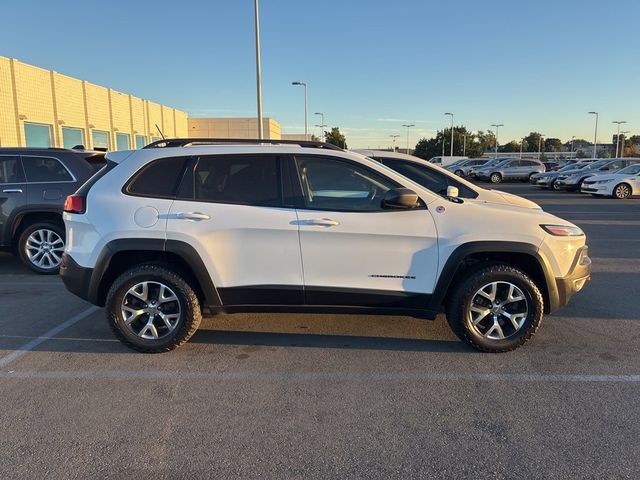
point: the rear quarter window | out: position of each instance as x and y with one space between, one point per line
159 178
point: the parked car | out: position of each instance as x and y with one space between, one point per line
438 180
625 183
550 179
551 166
445 161
513 169
34 183
492 162
573 182
175 228
462 169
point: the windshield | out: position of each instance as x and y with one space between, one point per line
459 163
596 165
630 170
572 166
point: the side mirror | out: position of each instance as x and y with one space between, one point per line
452 192
400 198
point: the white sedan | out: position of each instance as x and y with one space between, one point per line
624 183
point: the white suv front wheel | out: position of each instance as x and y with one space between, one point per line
152 309
495 309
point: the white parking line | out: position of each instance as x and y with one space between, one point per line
46 336
322 376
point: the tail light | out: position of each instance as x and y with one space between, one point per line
75 204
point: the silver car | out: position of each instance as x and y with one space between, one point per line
463 167
512 169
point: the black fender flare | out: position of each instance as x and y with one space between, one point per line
182 249
456 259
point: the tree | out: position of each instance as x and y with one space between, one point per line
553 145
334 137
464 143
531 142
512 146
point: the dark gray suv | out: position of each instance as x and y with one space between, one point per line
34 183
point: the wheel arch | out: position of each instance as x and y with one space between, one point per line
23 218
475 255
120 255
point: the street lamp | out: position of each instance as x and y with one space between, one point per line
497 125
322 125
595 135
540 145
394 141
464 144
619 122
448 113
572 139
408 127
303 84
258 70
521 144
622 149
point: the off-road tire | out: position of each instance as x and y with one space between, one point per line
460 299
190 318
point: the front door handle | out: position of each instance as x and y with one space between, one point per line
192 216
12 190
321 222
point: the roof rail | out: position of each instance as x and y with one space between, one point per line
185 142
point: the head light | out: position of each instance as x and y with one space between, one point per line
562 230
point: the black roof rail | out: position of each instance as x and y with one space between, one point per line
185 142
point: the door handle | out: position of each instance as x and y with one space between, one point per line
12 190
322 222
192 216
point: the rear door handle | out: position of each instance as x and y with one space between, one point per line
321 222
12 190
192 216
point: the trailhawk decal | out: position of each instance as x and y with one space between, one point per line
409 277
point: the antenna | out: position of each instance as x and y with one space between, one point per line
160 131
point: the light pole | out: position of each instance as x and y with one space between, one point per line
540 145
303 84
521 144
322 125
394 141
619 122
448 113
622 149
595 135
464 144
572 139
497 125
258 71
408 127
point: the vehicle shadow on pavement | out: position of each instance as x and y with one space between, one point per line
308 340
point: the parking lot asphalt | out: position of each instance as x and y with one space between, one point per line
329 396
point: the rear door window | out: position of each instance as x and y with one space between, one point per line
237 179
45 170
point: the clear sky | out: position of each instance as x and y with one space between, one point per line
371 65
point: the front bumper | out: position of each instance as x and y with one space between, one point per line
76 279
594 189
574 281
568 184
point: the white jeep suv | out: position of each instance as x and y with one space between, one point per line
191 225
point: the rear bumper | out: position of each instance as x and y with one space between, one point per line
574 281
76 279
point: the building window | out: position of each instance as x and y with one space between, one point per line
141 141
100 139
37 134
72 136
123 141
